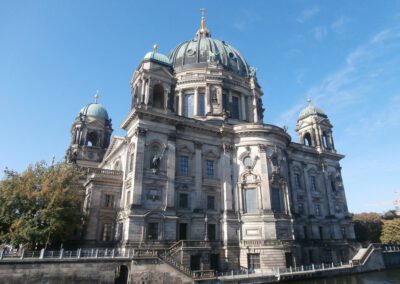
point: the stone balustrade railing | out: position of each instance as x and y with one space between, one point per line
104 172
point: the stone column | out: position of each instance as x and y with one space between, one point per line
219 97
208 99
317 137
180 105
143 91
147 95
285 191
197 166
225 168
255 109
330 139
136 195
171 156
166 98
243 112
196 102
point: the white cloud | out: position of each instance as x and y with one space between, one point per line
386 117
384 35
307 14
366 69
248 18
339 25
320 32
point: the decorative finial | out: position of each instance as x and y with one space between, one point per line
309 101
203 30
96 97
203 19
155 47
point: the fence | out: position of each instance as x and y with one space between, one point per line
79 253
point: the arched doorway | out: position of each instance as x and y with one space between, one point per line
121 275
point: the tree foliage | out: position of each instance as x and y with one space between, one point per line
391 232
367 227
40 206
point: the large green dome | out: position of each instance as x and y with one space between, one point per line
204 50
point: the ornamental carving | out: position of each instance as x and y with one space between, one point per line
262 148
227 147
140 131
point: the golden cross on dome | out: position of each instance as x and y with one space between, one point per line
96 97
155 47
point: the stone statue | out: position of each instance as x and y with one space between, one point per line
253 72
156 160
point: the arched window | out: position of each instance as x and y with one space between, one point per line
235 107
158 96
92 139
325 141
189 105
276 200
307 139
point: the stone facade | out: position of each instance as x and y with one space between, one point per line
198 164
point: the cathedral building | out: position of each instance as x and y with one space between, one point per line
200 174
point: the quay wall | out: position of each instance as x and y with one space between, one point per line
100 271
44 271
391 259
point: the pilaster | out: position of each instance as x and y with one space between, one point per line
171 156
243 112
198 175
140 149
265 186
226 196
196 102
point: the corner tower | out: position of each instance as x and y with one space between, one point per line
314 129
90 135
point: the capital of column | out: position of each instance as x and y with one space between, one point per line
140 131
227 147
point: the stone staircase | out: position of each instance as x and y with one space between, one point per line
169 257
363 254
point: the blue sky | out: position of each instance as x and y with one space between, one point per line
345 55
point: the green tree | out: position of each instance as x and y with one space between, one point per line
391 232
40 206
367 227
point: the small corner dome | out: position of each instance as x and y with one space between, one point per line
157 57
311 110
95 110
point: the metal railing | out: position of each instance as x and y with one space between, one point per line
279 272
78 254
390 248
